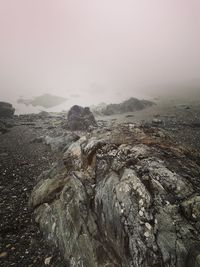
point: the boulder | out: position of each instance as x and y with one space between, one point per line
80 119
6 110
123 198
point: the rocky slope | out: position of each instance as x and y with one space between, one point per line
124 195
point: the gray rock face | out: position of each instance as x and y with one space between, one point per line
6 110
125 198
80 118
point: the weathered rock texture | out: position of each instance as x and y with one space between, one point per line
80 118
126 197
6 110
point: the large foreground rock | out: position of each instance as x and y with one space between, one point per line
127 197
6 110
80 118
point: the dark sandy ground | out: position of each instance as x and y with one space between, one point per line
21 161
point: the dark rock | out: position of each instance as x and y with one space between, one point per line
6 124
6 110
80 119
129 116
3 128
157 121
44 114
130 105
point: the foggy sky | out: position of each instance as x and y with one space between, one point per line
97 49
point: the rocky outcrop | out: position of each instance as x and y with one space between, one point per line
80 118
126 197
130 105
6 110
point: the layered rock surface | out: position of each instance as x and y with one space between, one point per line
126 196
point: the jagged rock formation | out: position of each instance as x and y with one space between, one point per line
130 105
6 110
80 118
127 196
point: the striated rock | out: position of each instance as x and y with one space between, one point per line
80 119
6 110
123 198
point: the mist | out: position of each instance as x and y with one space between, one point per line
92 51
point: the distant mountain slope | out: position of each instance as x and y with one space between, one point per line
130 105
45 101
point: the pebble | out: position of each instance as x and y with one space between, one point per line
148 226
147 234
141 213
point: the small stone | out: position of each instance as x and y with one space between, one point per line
47 260
148 226
194 216
147 234
141 202
53 226
141 213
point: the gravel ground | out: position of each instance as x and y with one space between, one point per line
21 161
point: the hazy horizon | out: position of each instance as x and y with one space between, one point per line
99 51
